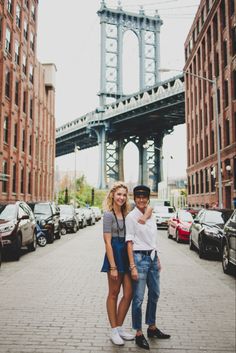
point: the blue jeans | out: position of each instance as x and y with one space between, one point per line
148 274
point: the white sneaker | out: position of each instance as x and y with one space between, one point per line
125 335
116 339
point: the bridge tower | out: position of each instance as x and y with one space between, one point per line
114 23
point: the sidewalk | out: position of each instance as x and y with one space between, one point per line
53 300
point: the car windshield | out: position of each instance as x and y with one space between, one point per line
185 217
215 217
66 210
42 208
7 212
163 209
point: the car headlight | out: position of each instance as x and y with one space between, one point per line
211 232
7 228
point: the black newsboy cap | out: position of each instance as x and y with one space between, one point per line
141 190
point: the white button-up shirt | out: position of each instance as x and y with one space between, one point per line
143 236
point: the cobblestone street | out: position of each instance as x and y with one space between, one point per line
53 300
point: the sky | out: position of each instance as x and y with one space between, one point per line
69 37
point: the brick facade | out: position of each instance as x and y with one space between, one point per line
210 51
27 121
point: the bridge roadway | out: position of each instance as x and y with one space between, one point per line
53 300
148 114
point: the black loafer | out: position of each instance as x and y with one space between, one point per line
157 333
142 342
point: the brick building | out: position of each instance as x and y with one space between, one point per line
210 51
27 121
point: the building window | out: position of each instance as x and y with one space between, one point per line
27 3
22 181
211 108
227 132
201 182
217 65
223 13
201 149
30 145
18 12
15 135
24 64
29 182
4 182
197 184
9 6
24 101
215 27
17 52
209 38
206 146
226 101
8 40
17 93
220 137
31 108
212 142
207 6
23 140
7 84
25 30
33 12
206 181
234 84
218 98
212 179
189 186
234 40
202 16
31 74
5 129
32 41
14 178
231 7
193 187
197 152
225 56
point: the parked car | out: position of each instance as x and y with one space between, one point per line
179 226
81 217
47 215
162 215
0 250
68 218
90 215
207 230
98 213
229 245
17 227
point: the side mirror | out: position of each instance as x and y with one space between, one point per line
196 220
24 217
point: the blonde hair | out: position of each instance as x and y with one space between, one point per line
108 202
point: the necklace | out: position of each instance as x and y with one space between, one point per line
120 229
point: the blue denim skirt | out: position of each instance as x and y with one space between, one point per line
119 248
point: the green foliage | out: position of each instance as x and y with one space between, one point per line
83 194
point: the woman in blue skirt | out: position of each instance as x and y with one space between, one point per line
116 263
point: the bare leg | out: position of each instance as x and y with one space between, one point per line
125 300
114 290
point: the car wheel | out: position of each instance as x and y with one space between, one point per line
201 248
168 234
32 246
50 238
41 240
227 266
63 231
191 246
177 236
16 250
75 228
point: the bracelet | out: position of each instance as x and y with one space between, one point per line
131 267
113 268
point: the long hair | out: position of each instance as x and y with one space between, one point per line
109 200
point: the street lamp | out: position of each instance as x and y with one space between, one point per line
214 83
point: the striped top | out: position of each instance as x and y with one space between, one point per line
110 226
